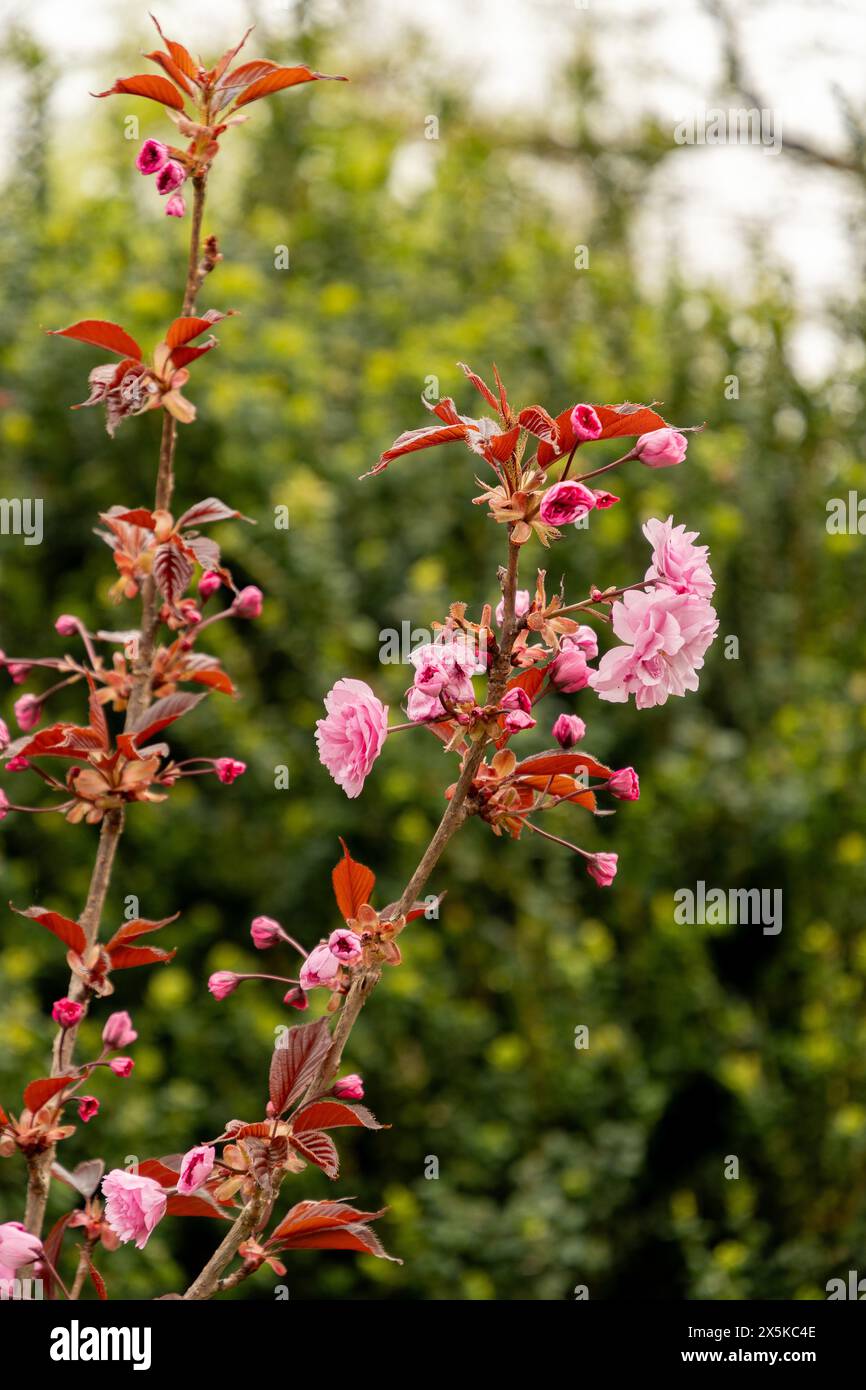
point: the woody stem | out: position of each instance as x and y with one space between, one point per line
39 1165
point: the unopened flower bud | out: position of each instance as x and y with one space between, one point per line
248 603
568 730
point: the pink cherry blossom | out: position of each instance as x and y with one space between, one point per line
66 1013
321 968
18 764
152 157
602 867
223 983
667 635
516 699
195 1168
676 560
176 206
585 423
566 502
624 784
603 499
348 1087
122 1066
228 770
568 730
522 604
5 739
661 448
4 805
517 720
88 1106
350 739
17 1246
170 177
345 945
134 1205
118 1030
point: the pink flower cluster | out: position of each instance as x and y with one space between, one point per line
322 967
443 676
135 1204
155 158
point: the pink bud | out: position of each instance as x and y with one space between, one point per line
229 769
4 735
566 502
569 671
4 805
345 945
223 983
265 932
602 867
624 784
176 206
66 1013
296 998
517 720
516 699
195 1168
248 603
208 584
152 157
28 712
348 1087
661 448
66 625
121 1066
118 1030
522 602
170 177
18 671
585 423
18 764
88 1106
568 730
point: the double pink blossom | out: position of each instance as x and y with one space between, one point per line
152 157
134 1205
345 945
585 423
66 1013
17 1246
88 1106
350 739
666 635
676 560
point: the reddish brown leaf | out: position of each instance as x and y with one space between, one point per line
547 764
425 438
198 1204
181 55
138 516
172 570
332 1114
52 1246
183 330
318 1148
329 1226
213 679
530 681
69 932
171 69
282 77
353 883
210 509
479 385
140 926
97 1280
161 1169
295 1061
163 713
145 84
102 334
39 1092
127 957
536 420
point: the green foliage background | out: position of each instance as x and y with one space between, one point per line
557 1167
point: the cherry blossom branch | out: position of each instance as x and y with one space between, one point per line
458 810
39 1165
